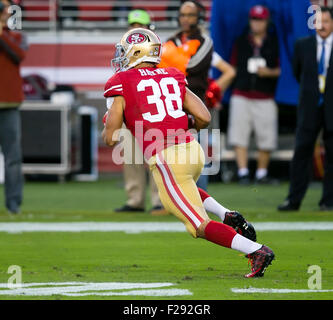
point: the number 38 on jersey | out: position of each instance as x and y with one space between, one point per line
166 102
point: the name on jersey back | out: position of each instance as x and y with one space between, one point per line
146 72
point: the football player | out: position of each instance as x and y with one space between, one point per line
155 103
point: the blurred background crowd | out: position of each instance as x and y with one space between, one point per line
238 56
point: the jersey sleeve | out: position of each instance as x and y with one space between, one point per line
113 87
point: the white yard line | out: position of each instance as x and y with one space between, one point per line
76 289
139 227
147 293
128 227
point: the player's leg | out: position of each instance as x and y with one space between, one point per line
211 205
221 234
231 218
178 167
181 197
226 236
190 210
173 173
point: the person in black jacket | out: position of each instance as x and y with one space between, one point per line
313 68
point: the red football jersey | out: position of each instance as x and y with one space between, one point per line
154 106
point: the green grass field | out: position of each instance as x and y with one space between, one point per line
171 260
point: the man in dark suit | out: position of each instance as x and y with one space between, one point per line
313 69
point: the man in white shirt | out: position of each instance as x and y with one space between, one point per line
324 49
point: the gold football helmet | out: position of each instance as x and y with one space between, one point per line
136 46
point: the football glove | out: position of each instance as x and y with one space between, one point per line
213 94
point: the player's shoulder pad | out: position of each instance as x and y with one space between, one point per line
113 86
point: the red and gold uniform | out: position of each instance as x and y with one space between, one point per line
152 109
154 115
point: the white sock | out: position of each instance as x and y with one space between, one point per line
243 172
244 245
215 208
261 173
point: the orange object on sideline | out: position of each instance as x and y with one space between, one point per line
178 57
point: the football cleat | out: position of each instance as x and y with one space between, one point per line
235 220
260 260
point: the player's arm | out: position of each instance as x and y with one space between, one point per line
114 121
194 106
